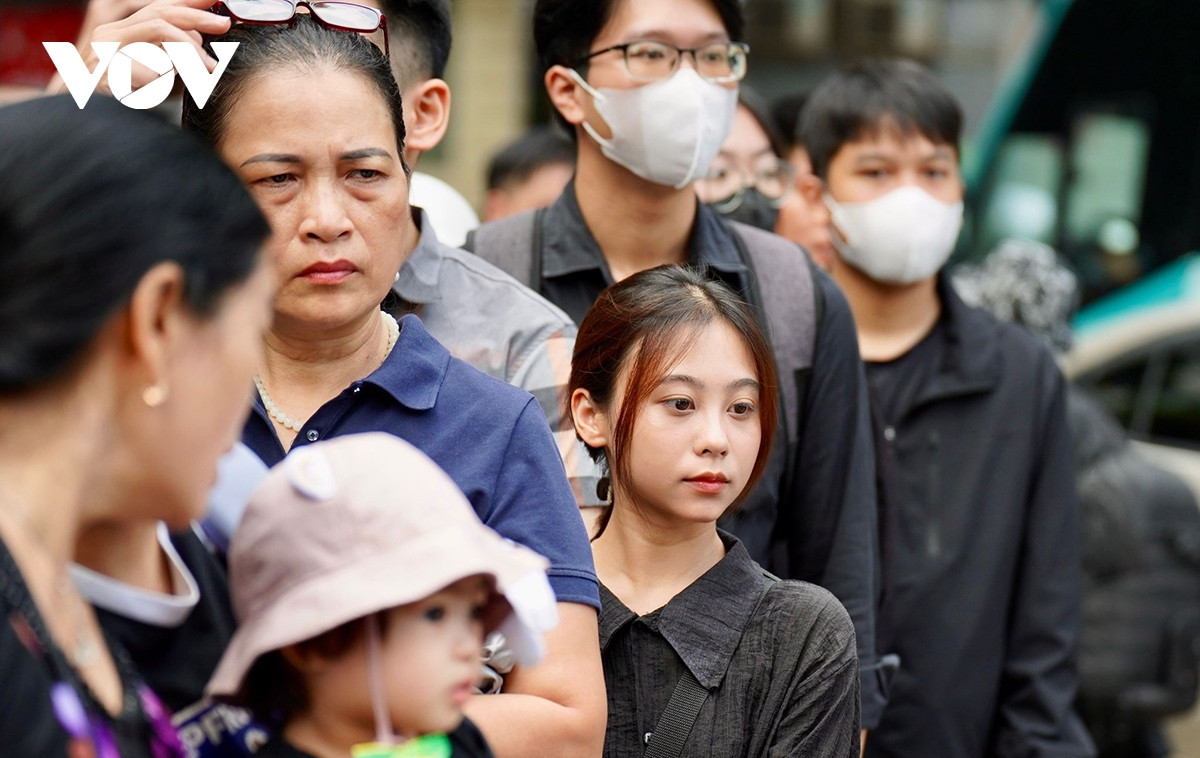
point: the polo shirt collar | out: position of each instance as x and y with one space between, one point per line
418 282
568 246
704 623
415 369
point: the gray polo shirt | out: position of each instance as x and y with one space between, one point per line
488 319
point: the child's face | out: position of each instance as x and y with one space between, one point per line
431 654
430 661
696 437
871 167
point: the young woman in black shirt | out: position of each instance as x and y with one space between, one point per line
673 390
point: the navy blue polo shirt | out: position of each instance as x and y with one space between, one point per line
490 437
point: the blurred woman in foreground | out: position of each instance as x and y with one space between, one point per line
131 318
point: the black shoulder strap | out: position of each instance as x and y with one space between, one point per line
513 245
677 719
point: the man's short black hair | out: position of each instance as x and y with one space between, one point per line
538 147
756 106
420 38
563 30
870 95
785 112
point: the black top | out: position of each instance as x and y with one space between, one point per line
982 557
783 680
896 384
824 511
465 742
178 661
46 709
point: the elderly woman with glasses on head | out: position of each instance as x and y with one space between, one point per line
309 116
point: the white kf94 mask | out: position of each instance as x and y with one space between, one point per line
900 238
668 131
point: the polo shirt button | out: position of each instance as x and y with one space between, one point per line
312 435
889 433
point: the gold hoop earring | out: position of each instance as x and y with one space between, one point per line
154 395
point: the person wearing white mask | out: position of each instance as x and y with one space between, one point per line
648 89
980 531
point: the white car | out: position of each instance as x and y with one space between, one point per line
1145 368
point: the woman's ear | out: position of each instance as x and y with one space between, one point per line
426 117
591 420
156 313
566 95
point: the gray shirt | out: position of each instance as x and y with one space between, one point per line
488 319
783 680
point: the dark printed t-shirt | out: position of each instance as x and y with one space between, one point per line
177 661
465 742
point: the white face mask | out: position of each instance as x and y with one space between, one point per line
903 237
668 131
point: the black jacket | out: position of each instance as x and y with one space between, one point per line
981 553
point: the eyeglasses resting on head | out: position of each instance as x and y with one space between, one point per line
344 17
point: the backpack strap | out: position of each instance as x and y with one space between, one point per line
791 306
513 245
677 719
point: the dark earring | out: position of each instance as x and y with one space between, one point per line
604 488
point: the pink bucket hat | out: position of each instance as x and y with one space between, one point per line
359 524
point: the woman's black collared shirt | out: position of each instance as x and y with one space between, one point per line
783 679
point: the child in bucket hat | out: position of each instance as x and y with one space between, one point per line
364 583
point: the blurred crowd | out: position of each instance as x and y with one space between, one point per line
691 443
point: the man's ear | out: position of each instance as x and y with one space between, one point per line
810 188
591 421
155 312
566 95
427 116
495 204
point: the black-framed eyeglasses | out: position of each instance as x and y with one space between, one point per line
340 16
725 185
647 60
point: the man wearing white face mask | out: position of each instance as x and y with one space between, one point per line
648 89
979 529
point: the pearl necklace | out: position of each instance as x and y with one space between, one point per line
287 421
